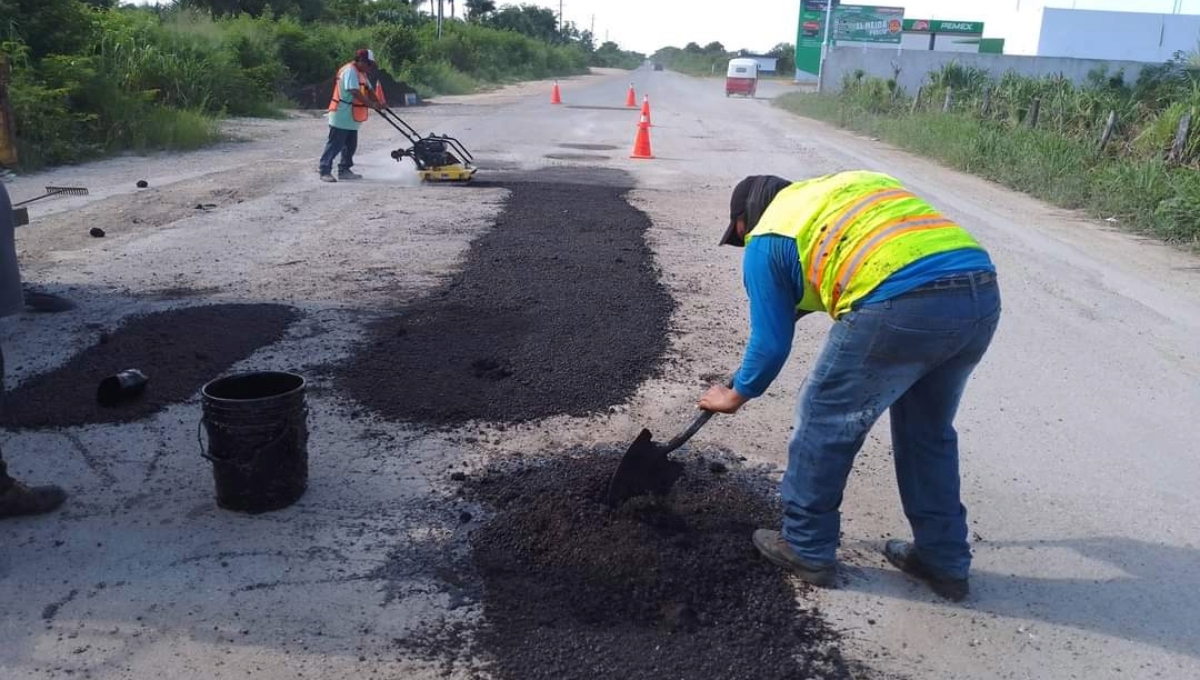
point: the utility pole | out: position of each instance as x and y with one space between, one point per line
825 42
439 18
560 21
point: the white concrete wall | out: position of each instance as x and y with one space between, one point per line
1129 36
915 65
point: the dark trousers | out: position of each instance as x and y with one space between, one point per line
5 480
340 141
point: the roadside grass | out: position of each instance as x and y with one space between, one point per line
1142 193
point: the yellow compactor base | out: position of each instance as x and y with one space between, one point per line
447 173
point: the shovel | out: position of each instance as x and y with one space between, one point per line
645 468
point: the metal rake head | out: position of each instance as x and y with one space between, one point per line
69 191
55 191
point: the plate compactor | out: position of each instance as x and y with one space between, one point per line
439 158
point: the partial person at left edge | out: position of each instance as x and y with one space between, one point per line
35 300
16 499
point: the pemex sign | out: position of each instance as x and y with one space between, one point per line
971 28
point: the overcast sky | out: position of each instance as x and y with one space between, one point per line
758 25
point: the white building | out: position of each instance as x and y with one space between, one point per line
765 64
1126 36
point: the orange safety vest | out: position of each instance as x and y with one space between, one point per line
360 111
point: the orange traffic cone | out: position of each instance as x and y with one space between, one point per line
631 98
641 144
646 109
555 96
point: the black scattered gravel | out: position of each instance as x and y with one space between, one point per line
572 590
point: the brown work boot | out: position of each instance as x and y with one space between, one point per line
903 555
18 500
774 548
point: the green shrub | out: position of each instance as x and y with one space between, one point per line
90 82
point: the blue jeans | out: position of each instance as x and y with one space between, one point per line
912 355
340 141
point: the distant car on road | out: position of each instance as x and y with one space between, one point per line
658 66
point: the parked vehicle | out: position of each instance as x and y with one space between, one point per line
741 77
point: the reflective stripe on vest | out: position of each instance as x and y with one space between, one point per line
360 111
819 257
879 237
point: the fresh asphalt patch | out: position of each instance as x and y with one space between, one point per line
178 350
558 309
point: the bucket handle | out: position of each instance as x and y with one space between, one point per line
283 432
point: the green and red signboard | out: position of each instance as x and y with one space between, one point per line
867 24
851 23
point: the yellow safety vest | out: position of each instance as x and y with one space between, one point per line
853 230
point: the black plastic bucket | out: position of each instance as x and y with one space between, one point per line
257 425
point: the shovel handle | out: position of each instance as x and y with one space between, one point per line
681 438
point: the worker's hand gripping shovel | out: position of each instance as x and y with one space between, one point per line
645 468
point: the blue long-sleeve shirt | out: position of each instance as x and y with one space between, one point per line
774 281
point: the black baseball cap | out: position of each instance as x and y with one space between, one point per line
737 208
749 200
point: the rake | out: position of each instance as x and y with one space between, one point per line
55 191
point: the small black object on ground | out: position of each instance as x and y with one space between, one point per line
124 386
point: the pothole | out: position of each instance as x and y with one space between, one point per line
576 157
588 147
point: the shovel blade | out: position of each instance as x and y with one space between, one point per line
644 469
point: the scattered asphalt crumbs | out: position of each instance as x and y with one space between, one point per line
571 589
179 350
558 309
